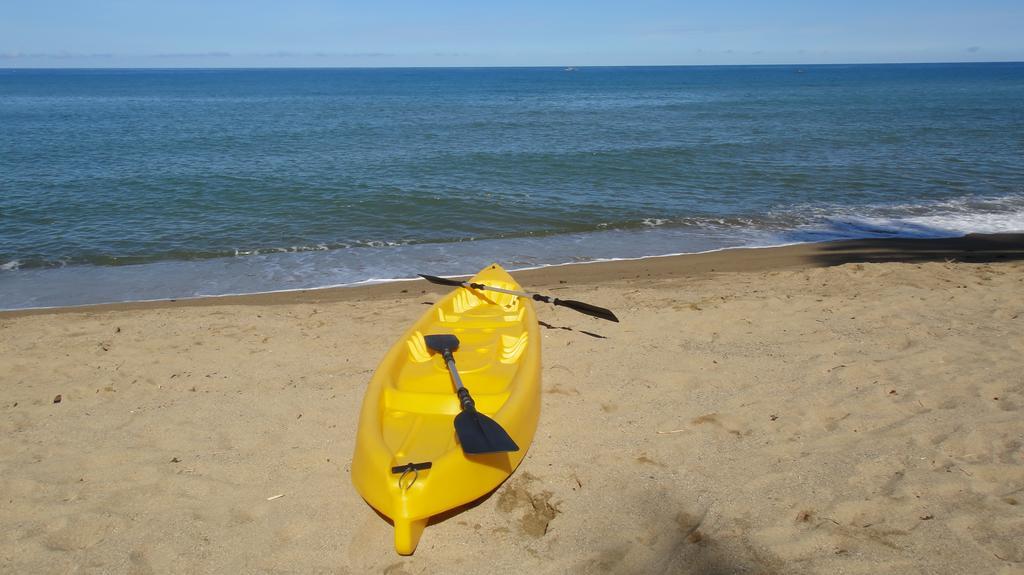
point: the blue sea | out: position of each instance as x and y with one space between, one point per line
120 185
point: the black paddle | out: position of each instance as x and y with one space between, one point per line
598 312
477 433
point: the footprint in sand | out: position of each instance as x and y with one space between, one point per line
662 535
520 496
646 459
727 424
79 532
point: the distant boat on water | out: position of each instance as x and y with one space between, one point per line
570 69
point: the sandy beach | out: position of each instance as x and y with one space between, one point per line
848 407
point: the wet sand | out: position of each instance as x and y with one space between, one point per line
843 407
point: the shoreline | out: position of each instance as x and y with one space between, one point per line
970 248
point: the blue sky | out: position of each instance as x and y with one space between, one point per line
230 33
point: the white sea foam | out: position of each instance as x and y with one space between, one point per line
655 222
946 218
308 268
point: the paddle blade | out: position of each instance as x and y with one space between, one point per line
441 281
442 343
598 312
480 434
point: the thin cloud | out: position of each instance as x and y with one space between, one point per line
279 54
193 55
367 55
50 55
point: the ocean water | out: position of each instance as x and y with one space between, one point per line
120 185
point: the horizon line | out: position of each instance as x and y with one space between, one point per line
516 66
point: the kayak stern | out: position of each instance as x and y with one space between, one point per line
407 534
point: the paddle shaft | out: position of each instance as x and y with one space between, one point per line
589 309
463 393
579 306
533 296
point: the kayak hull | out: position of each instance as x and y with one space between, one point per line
408 464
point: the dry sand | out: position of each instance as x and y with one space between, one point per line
757 411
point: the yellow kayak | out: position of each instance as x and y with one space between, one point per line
408 462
